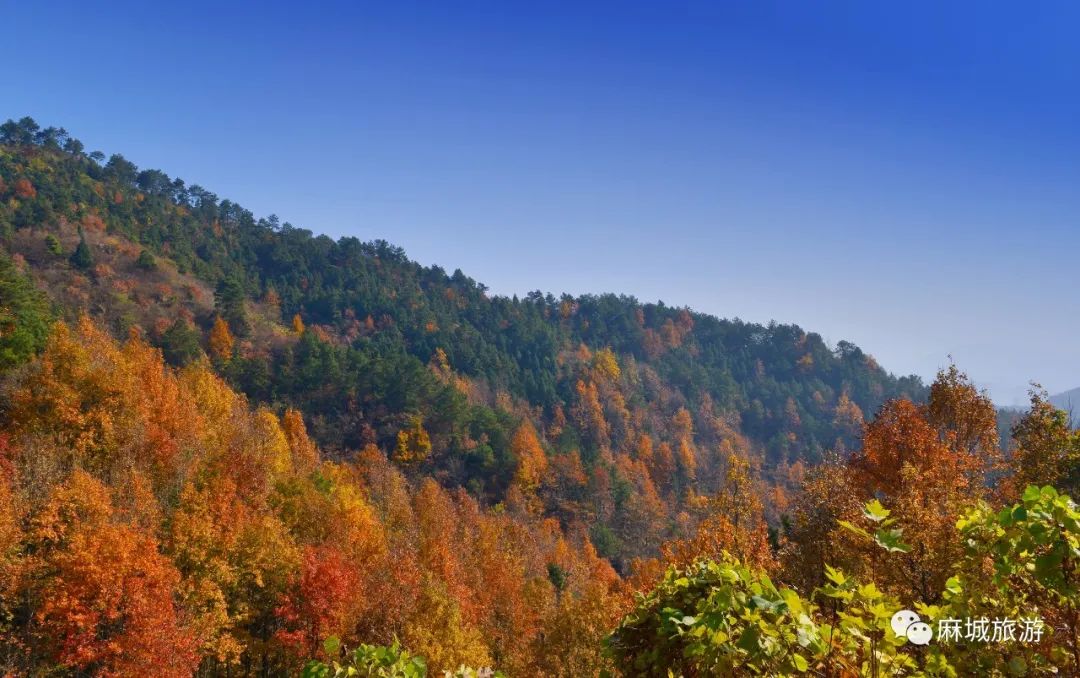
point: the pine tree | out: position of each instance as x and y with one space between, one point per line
229 298
82 258
25 317
180 343
146 261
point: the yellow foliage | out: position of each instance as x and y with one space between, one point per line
413 443
221 340
304 454
271 448
605 363
531 461
438 632
105 407
140 464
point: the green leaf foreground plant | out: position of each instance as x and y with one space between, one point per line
886 537
374 661
724 619
1021 562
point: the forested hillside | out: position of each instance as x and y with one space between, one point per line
626 399
225 441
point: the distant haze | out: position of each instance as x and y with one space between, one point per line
1068 401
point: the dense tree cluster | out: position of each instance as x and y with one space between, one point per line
637 408
723 618
153 522
926 515
245 449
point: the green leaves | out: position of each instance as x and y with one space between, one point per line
722 618
25 317
375 661
1034 494
1026 549
855 529
331 646
875 511
890 541
800 663
689 621
886 537
371 661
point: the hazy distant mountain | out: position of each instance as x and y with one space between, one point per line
1068 401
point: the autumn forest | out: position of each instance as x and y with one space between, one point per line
230 446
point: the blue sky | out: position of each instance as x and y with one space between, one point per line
900 175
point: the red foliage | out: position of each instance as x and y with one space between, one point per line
109 605
24 190
323 602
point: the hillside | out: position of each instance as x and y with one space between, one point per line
1067 400
375 349
229 447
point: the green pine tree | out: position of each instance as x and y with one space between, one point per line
229 299
25 316
81 258
180 343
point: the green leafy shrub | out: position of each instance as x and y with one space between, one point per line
374 661
1019 562
25 316
146 261
52 244
368 660
725 619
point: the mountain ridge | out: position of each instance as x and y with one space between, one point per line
1066 400
377 350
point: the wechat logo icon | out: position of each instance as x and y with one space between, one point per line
907 624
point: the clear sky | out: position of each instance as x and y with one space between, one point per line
901 175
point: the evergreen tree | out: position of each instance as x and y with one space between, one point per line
146 261
25 316
229 300
82 258
180 343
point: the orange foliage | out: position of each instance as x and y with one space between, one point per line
304 455
24 190
92 223
908 465
221 340
175 527
103 406
590 413
735 524
925 463
109 604
532 463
